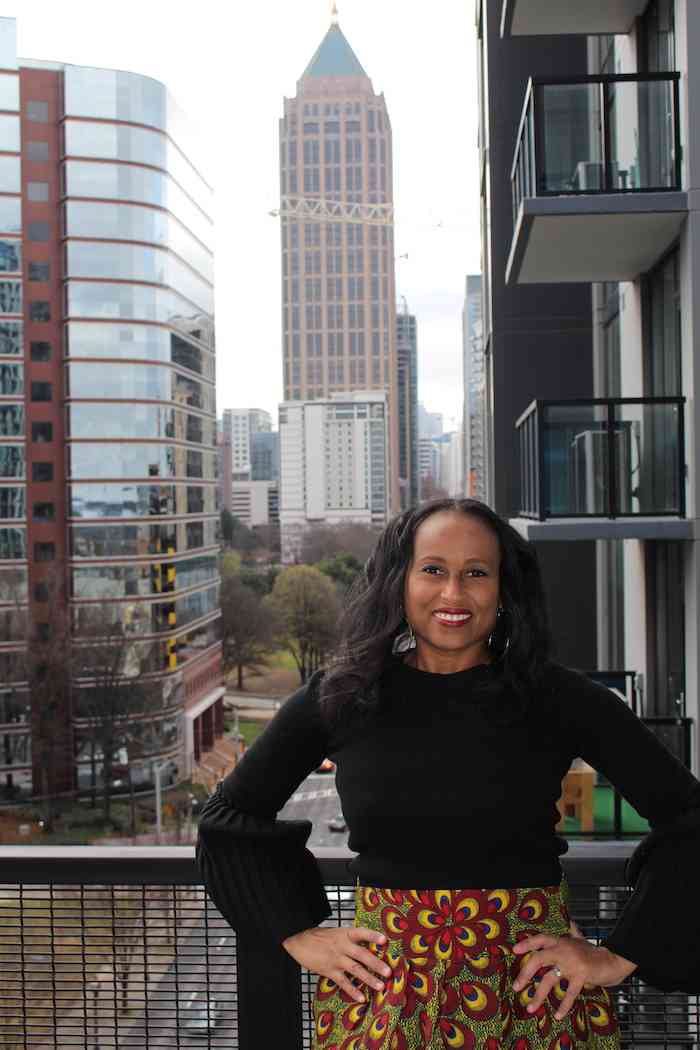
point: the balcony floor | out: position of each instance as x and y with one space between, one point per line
593 237
633 528
542 17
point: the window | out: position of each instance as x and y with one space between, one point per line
39 271
10 297
41 592
37 151
37 231
44 551
40 351
43 512
42 471
38 192
43 631
39 310
10 258
41 392
42 433
38 112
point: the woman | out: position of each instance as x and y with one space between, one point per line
452 729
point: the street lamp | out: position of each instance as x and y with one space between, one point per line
157 770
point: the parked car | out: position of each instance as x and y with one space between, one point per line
326 766
337 823
198 1015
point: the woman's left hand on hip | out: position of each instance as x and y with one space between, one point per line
580 964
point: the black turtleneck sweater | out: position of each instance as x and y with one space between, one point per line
445 785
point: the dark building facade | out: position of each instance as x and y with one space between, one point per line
407 393
537 338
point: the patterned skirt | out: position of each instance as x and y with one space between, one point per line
453 970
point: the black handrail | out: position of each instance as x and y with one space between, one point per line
531 149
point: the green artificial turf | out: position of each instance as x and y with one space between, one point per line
603 815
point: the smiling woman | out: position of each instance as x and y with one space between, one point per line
451 729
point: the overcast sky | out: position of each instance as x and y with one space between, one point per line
229 65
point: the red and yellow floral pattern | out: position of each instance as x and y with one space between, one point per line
451 988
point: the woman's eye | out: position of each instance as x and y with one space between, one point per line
431 569
479 572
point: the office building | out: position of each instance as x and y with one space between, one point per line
338 286
430 424
407 394
537 338
107 429
605 164
240 426
474 432
265 456
334 464
255 503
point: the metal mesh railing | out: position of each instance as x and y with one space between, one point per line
121 949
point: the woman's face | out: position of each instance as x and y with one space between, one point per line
451 590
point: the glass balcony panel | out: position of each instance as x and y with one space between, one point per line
641 118
575 459
572 138
647 450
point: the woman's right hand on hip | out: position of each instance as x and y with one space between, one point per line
337 952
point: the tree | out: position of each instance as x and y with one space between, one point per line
307 609
343 568
227 526
113 696
248 627
325 541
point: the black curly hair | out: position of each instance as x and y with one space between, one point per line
374 615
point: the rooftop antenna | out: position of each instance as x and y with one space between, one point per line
334 14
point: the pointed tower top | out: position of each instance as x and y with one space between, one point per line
334 14
334 57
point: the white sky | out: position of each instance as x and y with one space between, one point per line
229 65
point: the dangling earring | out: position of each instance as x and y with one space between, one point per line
404 641
491 638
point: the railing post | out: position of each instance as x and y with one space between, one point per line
269 996
542 488
612 495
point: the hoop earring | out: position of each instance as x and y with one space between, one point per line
404 641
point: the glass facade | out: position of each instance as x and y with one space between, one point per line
139 345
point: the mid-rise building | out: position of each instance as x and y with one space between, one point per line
451 464
430 424
407 393
265 456
240 425
605 161
334 464
474 431
255 503
108 508
337 239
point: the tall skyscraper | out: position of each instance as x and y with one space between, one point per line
474 433
407 363
107 428
339 318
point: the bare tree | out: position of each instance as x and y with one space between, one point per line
248 626
112 694
325 541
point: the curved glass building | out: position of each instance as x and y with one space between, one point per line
119 361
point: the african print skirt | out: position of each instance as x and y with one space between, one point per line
453 970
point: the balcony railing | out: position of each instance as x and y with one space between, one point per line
605 457
602 134
121 949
